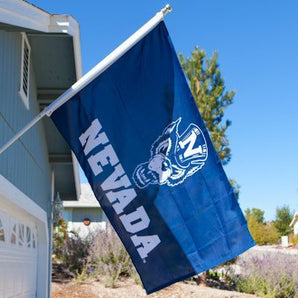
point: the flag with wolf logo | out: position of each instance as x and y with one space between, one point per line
138 136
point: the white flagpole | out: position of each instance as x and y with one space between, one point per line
93 73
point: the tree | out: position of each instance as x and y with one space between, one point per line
256 213
262 233
208 89
283 219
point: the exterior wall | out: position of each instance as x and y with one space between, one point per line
25 163
75 217
94 214
296 228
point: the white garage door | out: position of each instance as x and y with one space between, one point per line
18 255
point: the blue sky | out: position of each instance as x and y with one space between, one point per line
258 56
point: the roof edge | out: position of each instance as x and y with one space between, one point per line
294 219
23 14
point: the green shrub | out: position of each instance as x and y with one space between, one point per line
268 275
293 239
59 236
254 285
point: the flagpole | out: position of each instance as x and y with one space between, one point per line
93 73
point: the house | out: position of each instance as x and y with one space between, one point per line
39 59
84 216
294 223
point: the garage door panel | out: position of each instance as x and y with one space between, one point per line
18 256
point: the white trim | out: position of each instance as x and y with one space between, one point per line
15 196
12 197
23 95
22 14
80 204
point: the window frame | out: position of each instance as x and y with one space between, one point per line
2 231
25 94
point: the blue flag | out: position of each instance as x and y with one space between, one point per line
138 136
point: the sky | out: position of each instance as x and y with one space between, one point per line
258 57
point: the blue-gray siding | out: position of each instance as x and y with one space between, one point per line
94 214
25 163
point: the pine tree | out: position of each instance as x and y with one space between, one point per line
283 219
208 89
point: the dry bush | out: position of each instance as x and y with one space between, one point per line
109 259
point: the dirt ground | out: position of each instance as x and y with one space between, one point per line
128 289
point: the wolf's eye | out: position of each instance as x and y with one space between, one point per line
164 166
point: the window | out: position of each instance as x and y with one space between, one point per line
28 236
2 235
25 70
21 234
33 240
13 238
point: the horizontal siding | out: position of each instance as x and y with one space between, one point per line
94 214
25 163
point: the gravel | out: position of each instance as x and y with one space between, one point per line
128 289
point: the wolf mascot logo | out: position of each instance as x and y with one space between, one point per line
174 157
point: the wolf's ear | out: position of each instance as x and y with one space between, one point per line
163 143
173 127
